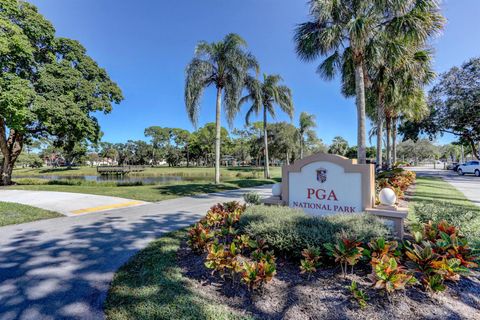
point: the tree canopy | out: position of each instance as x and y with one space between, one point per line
455 105
49 86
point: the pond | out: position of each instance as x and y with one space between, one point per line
116 178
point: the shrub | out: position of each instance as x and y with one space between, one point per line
223 259
310 261
466 219
358 294
377 248
252 198
347 252
397 179
198 237
288 231
391 276
256 274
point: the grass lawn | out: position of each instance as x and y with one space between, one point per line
151 286
149 192
14 213
435 199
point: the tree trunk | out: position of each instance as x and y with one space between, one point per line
360 101
394 140
11 149
301 146
265 141
475 152
218 136
380 119
389 137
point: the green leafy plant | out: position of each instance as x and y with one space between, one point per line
448 241
223 259
423 260
390 276
199 237
379 247
435 283
346 251
256 274
450 269
233 206
358 295
311 261
243 241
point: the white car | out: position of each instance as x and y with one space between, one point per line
469 167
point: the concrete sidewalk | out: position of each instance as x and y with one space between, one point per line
66 203
61 268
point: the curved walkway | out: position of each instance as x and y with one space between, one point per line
66 203
61 268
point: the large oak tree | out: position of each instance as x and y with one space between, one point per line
49 86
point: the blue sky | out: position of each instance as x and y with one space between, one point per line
146 44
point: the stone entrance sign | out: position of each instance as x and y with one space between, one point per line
324 184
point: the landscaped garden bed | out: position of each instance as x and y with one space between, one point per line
253 264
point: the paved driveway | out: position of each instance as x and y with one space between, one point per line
61 268
67 203
469 185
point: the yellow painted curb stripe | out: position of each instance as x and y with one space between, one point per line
106 207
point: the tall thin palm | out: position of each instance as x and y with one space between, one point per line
263 96
306 124
341 30
225 65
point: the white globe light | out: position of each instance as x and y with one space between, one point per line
387 197
277 189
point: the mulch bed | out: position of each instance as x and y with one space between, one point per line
291 295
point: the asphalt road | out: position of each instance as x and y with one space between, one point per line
61 268
469 185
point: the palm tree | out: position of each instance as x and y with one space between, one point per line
264 96
225 65
404 93
306 124
342 29
339 146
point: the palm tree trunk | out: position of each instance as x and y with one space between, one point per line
389 141
380 142
394 140
380 120
265 141
360 101
301 146
218 135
